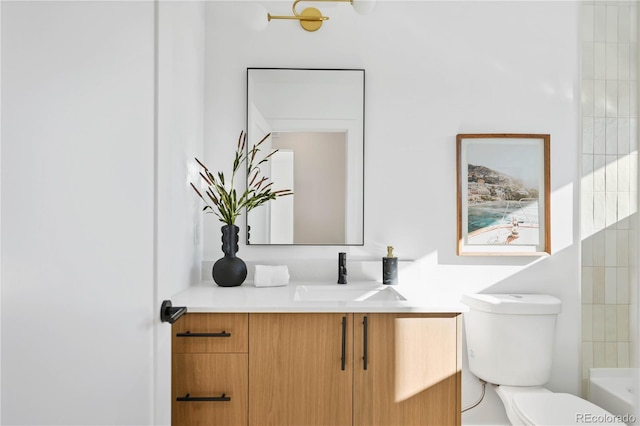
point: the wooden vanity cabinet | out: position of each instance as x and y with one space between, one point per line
319 369
209 366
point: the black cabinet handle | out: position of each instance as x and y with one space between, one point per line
190 334
344 341
189 398
364 342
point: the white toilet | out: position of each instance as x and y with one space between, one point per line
510 340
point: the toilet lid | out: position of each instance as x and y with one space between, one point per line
559 409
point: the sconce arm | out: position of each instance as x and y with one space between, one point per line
310 18
297 17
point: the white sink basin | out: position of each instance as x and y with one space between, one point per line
346 293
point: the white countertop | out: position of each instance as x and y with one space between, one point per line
208 297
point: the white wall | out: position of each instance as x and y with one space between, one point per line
433 69
99 224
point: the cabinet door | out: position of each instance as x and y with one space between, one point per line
300 370
209 389
406 370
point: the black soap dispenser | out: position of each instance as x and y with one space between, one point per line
389 268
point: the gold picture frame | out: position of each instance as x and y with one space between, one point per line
503 194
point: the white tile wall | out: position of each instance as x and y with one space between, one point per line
609 183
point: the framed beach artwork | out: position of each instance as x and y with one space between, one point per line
503 195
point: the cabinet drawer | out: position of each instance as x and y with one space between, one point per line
209 389
210 333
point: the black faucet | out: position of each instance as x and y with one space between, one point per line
342 268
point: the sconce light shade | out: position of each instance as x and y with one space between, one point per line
363 7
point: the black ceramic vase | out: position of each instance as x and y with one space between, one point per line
229 271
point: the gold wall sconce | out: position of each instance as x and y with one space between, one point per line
311 19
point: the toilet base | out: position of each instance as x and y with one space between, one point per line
506 395
536 405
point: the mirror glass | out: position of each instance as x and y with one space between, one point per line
316 121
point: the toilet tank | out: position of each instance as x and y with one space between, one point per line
510 337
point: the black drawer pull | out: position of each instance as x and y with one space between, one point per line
190 334
189 398
365 348
344 343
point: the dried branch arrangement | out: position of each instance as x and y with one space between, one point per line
220 196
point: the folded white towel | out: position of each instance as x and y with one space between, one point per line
270 276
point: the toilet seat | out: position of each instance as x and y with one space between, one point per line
536 409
